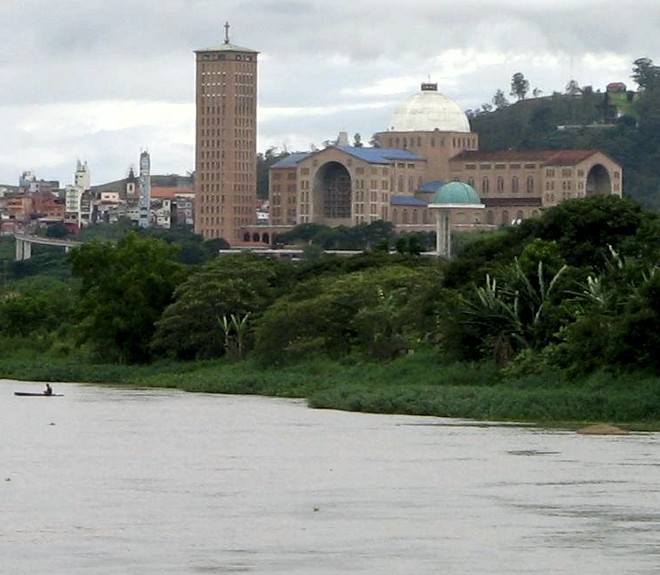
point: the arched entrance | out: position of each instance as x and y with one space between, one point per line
598 181
332 194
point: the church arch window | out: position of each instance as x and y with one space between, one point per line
490 217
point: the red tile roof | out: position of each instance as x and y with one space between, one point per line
170 193
548 157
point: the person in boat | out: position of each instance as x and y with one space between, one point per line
48 390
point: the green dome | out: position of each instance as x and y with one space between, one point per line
456 193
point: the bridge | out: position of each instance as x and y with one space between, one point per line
24 244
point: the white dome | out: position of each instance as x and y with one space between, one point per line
427 111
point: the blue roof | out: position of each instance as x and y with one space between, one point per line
407 201
432 187
380 155
370 155
291 161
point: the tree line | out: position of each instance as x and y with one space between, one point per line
576 289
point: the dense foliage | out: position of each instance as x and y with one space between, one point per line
124 289
575 290
238 286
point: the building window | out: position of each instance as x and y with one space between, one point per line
485 185
500 184
530 184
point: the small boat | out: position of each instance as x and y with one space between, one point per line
34 394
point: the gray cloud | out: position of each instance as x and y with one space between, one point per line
340 55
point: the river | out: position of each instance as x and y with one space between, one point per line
109 480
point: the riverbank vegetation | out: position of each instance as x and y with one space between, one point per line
556 319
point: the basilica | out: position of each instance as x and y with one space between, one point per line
429 144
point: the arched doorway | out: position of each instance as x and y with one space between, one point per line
332 193
598 181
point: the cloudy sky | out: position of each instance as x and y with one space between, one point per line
102 80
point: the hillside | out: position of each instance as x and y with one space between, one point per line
620 124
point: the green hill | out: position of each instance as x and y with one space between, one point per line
624 125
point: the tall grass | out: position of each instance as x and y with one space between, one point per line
417 384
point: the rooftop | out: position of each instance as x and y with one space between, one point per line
380 155
548 157
456 193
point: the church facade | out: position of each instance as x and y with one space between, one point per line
427 144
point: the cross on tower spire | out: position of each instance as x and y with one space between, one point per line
226 32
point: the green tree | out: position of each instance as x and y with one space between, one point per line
57 230
519 86
646 74
35 311
264 162
513 312
617 325
573 88
375 312
586 228
237 285
124 288
499 100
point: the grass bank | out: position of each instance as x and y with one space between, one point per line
417 385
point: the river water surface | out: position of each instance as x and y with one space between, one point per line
117 481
